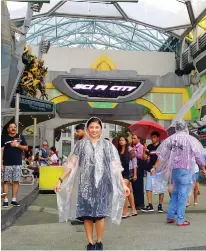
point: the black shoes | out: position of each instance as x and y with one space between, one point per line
15 203
148 208
159 209
5 204
90 247
97 246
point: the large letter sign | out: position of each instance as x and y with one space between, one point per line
102 89
95 89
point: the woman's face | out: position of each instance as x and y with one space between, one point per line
51 152
122 141
94 130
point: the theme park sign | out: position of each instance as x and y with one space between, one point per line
96 88
104 89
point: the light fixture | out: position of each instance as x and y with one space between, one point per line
36 6
44 46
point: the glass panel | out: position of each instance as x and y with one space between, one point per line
89 9
198 7
158 13
18 10
179 32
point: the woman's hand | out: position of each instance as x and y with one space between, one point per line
134 178
126 190
57 187
152 171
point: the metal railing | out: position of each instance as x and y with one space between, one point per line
192 52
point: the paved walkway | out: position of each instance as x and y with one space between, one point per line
39 229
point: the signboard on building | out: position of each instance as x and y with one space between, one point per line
28 104
108 89
104 89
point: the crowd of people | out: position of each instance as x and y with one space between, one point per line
106 179
100 178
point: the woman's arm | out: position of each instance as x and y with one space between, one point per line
68 166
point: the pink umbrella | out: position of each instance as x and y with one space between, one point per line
143 129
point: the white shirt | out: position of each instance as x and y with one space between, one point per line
54 158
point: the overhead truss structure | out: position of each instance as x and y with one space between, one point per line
146 25
96 34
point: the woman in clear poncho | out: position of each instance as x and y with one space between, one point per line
92 187
174 163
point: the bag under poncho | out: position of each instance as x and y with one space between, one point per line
94 187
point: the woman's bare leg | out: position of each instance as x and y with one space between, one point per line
99 229
196 191
125 209
88 225
131 199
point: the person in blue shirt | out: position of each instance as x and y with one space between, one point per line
44 154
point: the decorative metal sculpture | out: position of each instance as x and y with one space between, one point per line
32 79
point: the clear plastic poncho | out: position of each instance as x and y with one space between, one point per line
177 151
94 186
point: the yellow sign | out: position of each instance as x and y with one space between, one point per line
48 176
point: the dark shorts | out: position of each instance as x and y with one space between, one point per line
36 175
90 218
128 175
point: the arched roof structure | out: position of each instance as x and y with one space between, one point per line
144 25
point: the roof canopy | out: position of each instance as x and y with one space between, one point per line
168 17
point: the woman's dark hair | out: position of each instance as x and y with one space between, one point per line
53 148
92 120
119 148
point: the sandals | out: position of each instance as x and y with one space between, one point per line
125 216
184 224
133 214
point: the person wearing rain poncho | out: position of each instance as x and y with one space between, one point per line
174 157
92 187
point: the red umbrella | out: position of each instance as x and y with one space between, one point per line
143 129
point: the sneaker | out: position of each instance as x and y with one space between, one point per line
15 203
98 246
148 208
159 209
5 204
90 247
